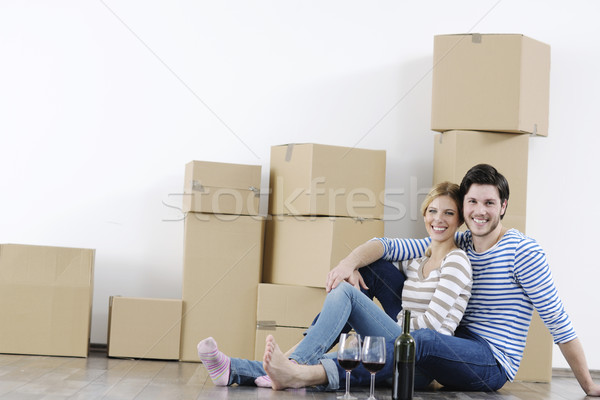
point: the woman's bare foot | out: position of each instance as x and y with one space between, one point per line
287 374
279 368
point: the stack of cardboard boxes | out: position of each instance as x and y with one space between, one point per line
490 94
324 201
223 247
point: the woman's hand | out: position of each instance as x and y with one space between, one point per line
343 273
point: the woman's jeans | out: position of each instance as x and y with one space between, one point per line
463 362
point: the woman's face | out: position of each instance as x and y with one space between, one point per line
441 219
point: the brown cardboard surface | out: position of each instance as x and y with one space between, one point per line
144 328
536 365
490 82
222 188
315 179
221 271
455 152
302 250
288 305
45 300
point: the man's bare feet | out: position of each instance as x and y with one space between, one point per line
281 370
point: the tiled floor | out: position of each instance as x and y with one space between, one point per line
99 377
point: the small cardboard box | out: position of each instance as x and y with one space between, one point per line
285 312
455 152
302 250
316 179
221 188
490 83
45 300
221 272
144 328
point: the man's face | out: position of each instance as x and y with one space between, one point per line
482 209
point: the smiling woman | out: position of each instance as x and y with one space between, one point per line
436 291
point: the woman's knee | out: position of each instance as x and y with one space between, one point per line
425 341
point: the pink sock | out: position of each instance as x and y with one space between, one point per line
217 364
265 381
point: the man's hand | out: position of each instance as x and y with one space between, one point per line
343 273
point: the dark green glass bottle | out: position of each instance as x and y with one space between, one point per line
404 363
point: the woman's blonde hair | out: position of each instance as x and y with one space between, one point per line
443 189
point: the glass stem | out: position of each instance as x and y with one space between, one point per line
372 396
348 382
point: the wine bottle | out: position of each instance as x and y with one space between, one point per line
404 363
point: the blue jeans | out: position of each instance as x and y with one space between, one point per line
461 362
385 282
343 304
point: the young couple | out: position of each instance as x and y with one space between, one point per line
511 278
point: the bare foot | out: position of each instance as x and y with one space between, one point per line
283 372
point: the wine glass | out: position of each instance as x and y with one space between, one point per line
373 358
348 358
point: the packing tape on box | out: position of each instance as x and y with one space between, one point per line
255 190
288 152
266 325
534 131
197 186
476 38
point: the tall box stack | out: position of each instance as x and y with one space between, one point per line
223 248
45 300
325 200
489 93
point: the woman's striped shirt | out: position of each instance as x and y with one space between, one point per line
510 280
439 300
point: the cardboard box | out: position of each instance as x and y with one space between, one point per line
221 271
455 152
302 250
221 188
45 300
285 312
315 179
144 328
490 83
536 365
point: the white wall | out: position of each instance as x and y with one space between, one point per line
103 102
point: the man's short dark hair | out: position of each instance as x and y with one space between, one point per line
485 174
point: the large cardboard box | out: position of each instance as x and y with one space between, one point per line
490 83
285 312
221 272
144 328
221 188
45 300
455 152
316 179
302 250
